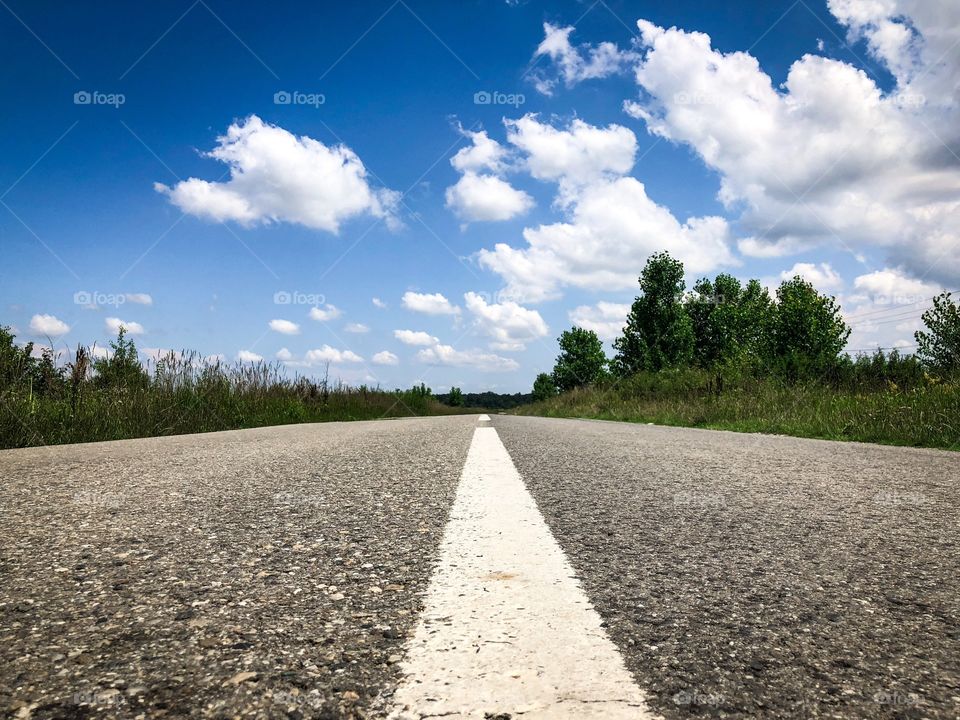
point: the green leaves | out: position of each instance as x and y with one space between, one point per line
581 360
939 346
543 387
659 331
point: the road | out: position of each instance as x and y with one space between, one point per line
458 566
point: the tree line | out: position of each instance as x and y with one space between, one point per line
733 328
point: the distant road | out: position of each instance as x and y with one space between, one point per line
464 567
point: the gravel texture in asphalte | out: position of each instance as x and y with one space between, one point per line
258 573
752 576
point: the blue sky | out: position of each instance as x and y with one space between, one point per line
758 138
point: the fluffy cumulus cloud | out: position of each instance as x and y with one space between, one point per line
440 354
612 229
509 325
113 325
415 337
478 198
327 354
884 308
48 326
385 357
285 327
481 193
324 314
276 176
822 276
429 304
611 226
244 356
577 154
574 64
378 303
606 319
829 158
356 328
284 355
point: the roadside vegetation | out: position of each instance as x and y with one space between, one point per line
111 395
728 356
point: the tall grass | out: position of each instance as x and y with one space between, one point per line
182 393
924 413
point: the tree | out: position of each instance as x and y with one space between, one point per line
455 398
939 346
807 331
728 320
543 387
16 363
581 360
659 332
121 368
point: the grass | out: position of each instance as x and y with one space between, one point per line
183 394
927 415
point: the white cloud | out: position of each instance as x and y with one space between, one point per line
285 327
358 328
884 308
575 64
483 361
247 356
284 355
429 304
276 176
327 354
48 325
139 298
385 357
326 313
486 198
822 276
482 154
415 337
113 326
580 154
509 324
378 303
606 319
828 158
613 228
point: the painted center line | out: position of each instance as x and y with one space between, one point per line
507 628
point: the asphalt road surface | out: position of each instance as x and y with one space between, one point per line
456 567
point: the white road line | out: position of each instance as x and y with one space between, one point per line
483 418
507 628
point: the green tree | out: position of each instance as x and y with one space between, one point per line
806 330
543 387
581 360
16 363
939 346
121 368
455 399
728 320
659 332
